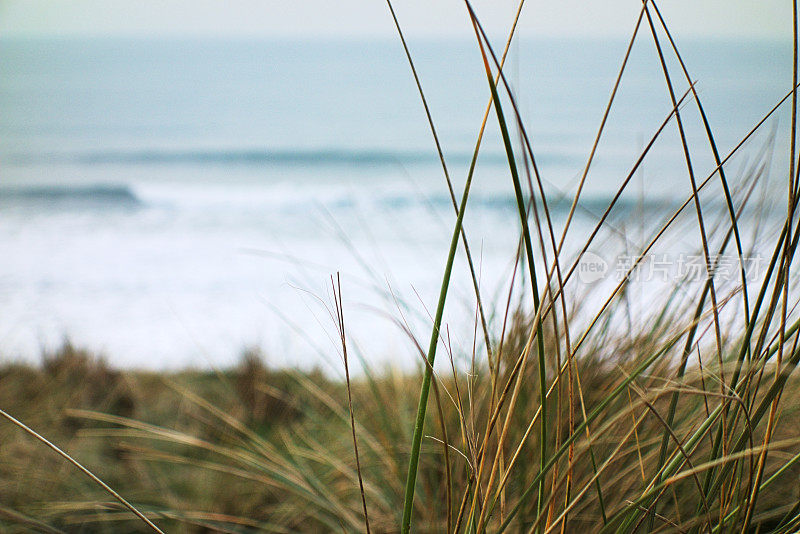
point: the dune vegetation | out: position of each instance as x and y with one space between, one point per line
685 420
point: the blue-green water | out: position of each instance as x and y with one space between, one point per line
171 201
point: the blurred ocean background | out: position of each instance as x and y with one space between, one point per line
171 201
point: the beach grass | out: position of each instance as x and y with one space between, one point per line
572 413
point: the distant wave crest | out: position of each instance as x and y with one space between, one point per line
299 157
594 205
55 194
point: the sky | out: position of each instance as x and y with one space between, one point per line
370 18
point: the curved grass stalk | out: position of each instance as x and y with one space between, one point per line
594 414
450 189
84 470
520 200
431 354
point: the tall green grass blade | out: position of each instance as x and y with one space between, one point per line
523 215
419 421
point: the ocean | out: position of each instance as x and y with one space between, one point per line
170 202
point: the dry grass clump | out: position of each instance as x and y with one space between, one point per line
195 457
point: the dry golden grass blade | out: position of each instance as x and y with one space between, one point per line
337 300
81 468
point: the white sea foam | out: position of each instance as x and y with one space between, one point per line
172 202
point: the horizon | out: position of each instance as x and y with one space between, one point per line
381 39
315 19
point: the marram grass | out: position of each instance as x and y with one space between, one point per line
686 420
